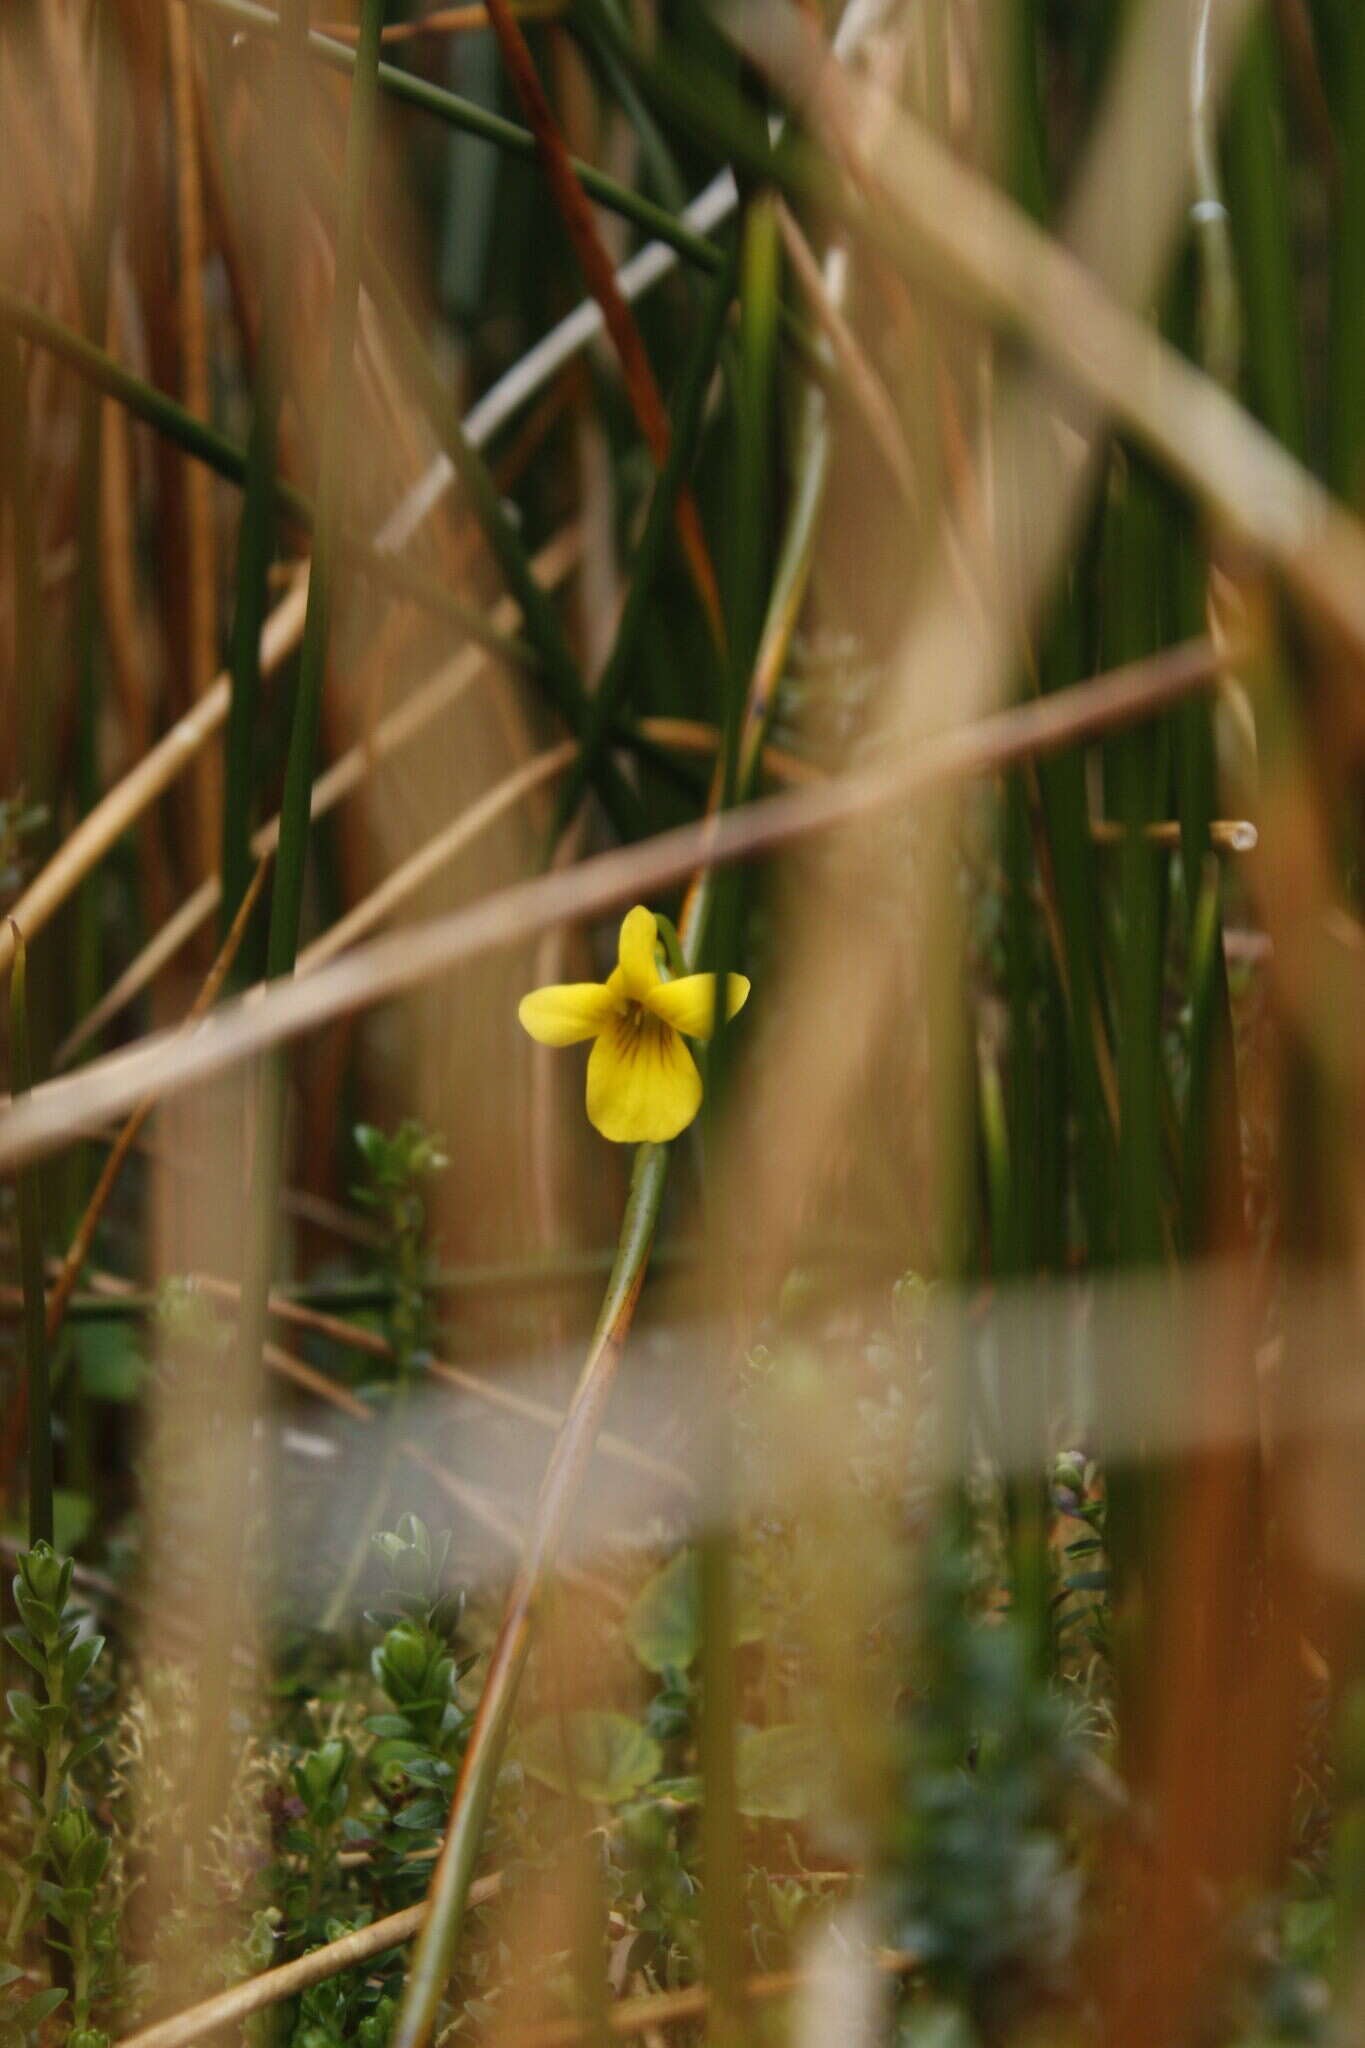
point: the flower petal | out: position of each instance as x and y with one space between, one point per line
643 1084
689 1004
639 969
567 1012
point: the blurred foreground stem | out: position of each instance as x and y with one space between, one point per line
31 1264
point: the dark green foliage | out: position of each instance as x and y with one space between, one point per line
983 1888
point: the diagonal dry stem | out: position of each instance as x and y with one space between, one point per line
82 849
401 726
229 2008
388 966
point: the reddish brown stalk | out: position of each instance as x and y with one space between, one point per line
600 278
447 21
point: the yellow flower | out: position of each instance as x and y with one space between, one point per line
643 1084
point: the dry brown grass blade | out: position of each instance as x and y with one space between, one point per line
397 729
484 812
307 1377
386 967
865 387
79 1249
530 1410
491 1392
239 2001
435 853
121 808
194 353
1027 282
600 277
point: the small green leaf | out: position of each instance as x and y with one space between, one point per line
663 1625
610 1758
72 1514
780 1771
422 1813
109 1359
35 2010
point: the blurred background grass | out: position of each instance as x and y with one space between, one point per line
941 1678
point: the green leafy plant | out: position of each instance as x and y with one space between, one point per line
60 1885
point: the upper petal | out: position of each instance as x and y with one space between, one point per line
643 1084
639 969
568 1012
689 1004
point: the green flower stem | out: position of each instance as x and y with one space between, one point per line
432 1959
31 1262
434 1954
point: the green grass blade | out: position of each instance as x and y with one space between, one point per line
610 696
506 135
228 459
1258 187
1346 336
256 529
556 670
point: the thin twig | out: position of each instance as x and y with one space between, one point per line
630 2016
228 2008
491 1392
865 387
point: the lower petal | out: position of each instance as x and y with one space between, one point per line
643 1084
